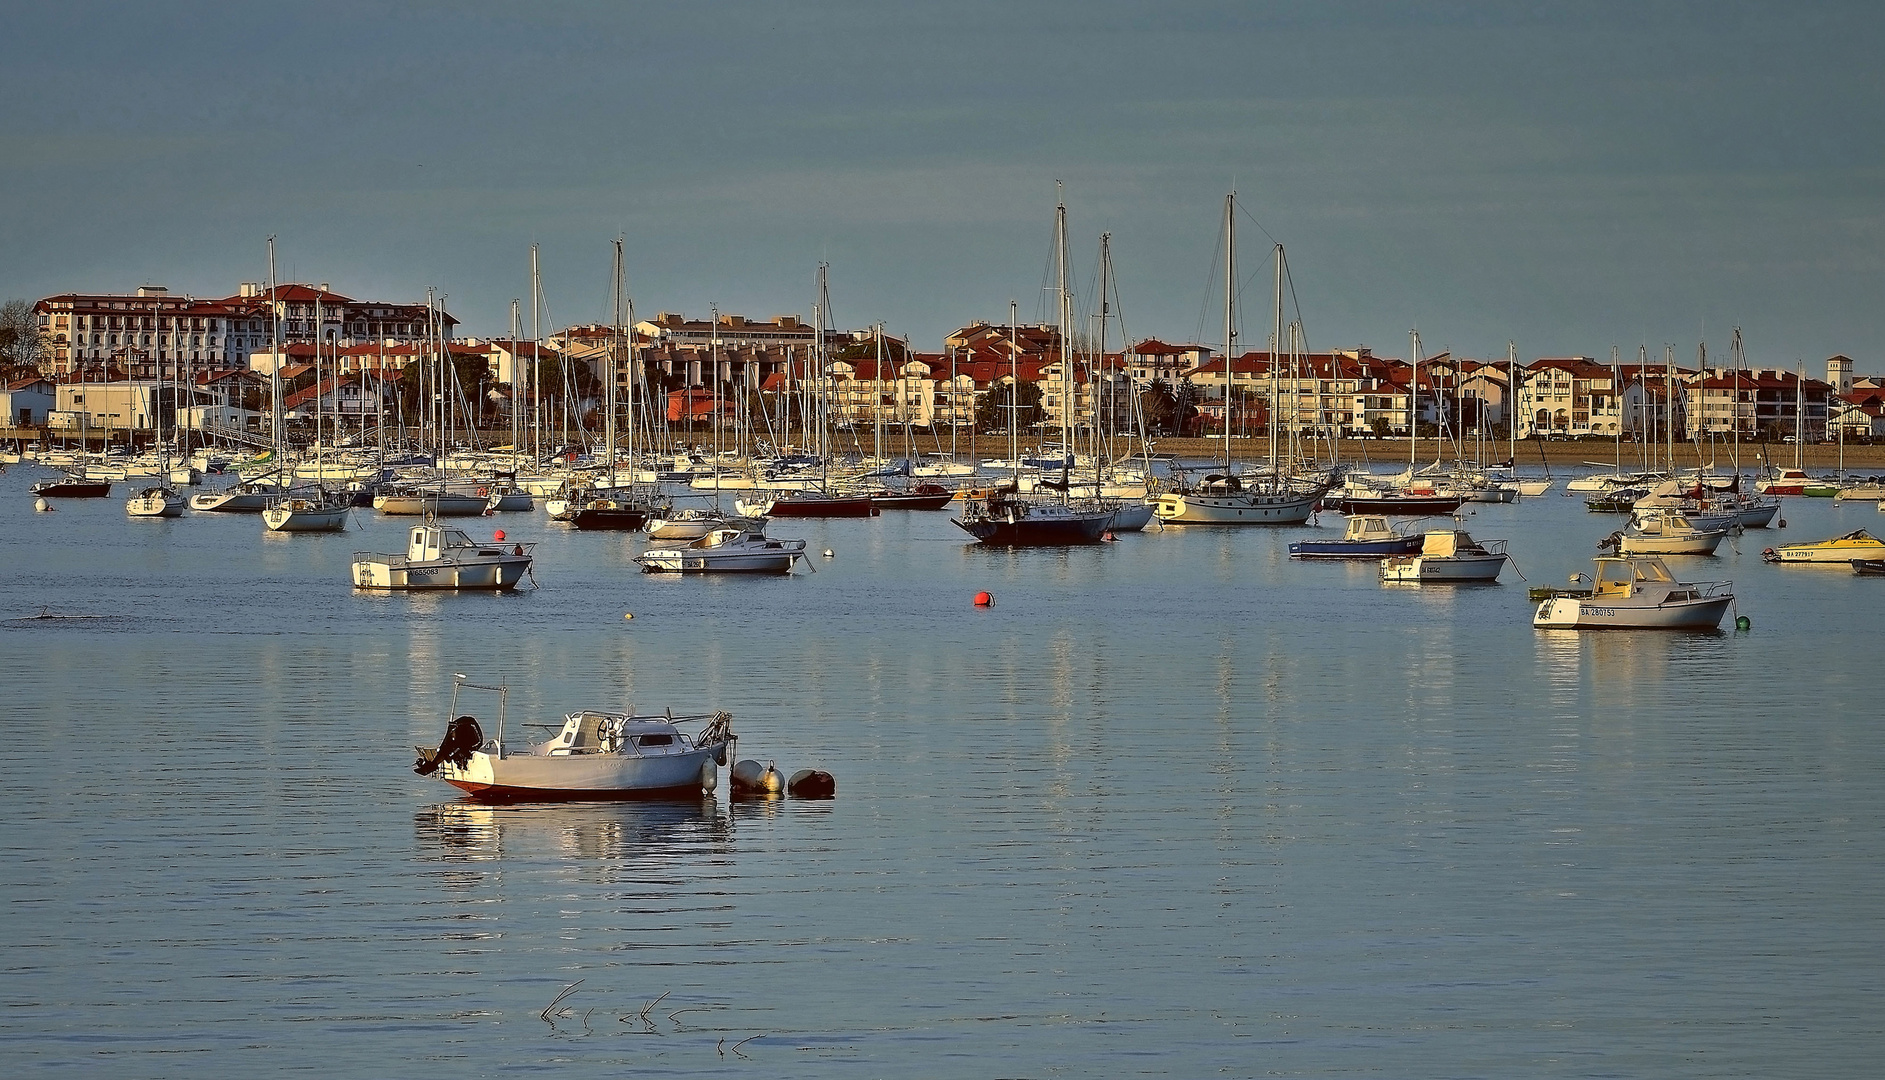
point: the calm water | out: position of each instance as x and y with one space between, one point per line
1173 807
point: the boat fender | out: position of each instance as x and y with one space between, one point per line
811 784
752 777
709 776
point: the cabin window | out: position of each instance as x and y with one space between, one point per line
659 739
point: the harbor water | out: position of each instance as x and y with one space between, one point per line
1175 806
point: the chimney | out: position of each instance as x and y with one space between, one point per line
323 286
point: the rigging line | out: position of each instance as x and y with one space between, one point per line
1258 224
1210 289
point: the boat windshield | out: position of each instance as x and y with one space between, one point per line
1650 570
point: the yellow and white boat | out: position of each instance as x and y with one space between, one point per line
1857 544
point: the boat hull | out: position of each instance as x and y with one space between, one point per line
1355 549
1395 506
73 489
806 507
230 502
1577 613
530 777
1021 525
609 516
446 505
1240 508
310 518
497 573
1421 568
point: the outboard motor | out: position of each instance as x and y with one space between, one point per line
462 736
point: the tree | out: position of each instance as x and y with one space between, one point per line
1155 404
991 413
22 344
1379 425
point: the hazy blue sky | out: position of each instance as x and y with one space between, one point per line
1567 175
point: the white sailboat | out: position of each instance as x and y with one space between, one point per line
306 510
1226 498
161 500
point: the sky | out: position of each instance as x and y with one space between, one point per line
1566 176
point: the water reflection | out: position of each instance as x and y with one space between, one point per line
470 832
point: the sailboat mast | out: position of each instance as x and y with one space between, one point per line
1413 403
616 288
1230 318
1063 303
1014 398
1276 336
274 379
536 354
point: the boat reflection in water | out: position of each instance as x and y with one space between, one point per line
468 831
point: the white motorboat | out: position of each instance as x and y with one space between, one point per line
155 502
724 551
595 755
1840 550
1664 532
306 511
1637 592
1448 555
438 557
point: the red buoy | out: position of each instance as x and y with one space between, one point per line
500 534
982 599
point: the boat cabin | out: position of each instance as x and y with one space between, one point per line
1369 527
1448 544
429 542
590 732
1621 578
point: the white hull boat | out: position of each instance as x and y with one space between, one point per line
155 502
1448 555
1664 532
724 551
436 503
1224 500
1637 593
241 499
306 513
437 557
596 755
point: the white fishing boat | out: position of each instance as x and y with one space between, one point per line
595 754
1448 555
1664 532
1637 592
724 551
438 557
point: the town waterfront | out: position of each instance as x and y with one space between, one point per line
1173 806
